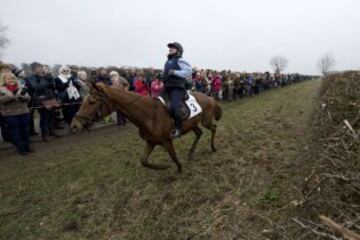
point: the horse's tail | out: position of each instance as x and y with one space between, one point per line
218 111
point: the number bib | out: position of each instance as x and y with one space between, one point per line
193 105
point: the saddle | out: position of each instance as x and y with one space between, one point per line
189 106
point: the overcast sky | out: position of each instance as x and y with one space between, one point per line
228 34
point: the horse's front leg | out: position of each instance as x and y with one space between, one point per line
171 150
149 147
198 132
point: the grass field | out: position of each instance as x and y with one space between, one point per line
92 186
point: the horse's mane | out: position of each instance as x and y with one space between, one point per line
133 96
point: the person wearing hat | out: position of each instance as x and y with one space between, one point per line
33 67
41 88
176 72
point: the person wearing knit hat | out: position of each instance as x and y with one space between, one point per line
35 65
42 89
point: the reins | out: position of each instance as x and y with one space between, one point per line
127 106
105 99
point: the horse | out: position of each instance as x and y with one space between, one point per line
151 117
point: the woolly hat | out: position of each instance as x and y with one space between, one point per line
35 65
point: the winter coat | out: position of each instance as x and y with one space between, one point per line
121 83
84 88
104 79
62 87
14 103
157 87
216 83
199 85
40 87
141 88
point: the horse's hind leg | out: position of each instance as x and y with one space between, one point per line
198 132
171 150
212 128
149 147
207 123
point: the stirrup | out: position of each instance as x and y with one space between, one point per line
175 133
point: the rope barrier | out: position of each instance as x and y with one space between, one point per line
58 106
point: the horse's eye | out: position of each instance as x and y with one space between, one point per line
92 102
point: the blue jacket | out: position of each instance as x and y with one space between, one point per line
182 72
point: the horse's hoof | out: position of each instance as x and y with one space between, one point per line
155 166
163 167
190 157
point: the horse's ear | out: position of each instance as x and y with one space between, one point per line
99 87
94 86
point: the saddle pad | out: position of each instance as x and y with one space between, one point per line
191 103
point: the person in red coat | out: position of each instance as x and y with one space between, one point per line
141 87
157 86
216 83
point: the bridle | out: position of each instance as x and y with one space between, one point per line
103 100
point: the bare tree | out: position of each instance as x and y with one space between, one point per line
3 38
279 63
325 63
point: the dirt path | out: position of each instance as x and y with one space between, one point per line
8 150
92 186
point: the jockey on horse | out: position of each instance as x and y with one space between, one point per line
176 72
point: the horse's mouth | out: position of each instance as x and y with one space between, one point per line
76 127
75 130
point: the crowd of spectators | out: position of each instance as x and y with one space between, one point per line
56 93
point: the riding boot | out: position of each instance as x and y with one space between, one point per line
176 132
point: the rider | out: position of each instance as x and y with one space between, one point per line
176 71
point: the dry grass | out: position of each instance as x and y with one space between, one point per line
92 186
332 186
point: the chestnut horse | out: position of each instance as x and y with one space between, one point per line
150 116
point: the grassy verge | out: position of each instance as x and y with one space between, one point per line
92 186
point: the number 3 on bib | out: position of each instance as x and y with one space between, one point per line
193 107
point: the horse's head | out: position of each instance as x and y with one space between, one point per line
95 104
